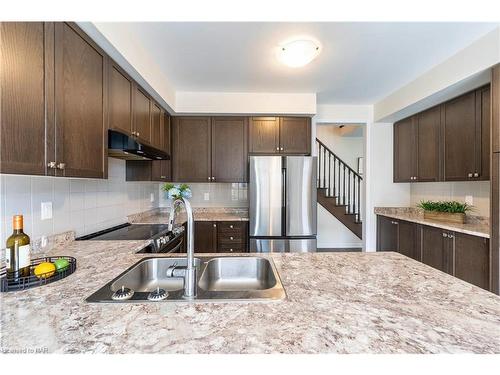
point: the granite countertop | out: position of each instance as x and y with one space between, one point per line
475 225
337 302
160 216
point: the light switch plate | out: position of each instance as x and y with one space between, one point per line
46 210
206 196
152 197
469 199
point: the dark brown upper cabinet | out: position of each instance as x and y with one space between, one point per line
142 115
405 159
280 135
156 125
495 108
120 99
191 149
295 135
80 104
27 84
428 151
449 142
209 149
229 149
264 135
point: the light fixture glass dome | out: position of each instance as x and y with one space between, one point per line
298 52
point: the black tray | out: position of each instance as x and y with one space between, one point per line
10 284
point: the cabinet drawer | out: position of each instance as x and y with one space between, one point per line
230 238
232 248
231 226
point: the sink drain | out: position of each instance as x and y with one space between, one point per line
158 295
122 294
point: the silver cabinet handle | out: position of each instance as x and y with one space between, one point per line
476 174
209 178
231 250
138 134
213 178
61 166
52 165
469 175
215 225
281 148
231 226
445 235
450 236
277 148
163 176
231 238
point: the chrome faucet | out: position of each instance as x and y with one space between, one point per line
188 273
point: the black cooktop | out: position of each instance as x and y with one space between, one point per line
128 232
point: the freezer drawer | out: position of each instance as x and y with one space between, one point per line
303 245
266 196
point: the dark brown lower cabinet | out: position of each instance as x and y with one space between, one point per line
408 239
205 236
437 248
472 259
387 234
398 235
461 255
220 237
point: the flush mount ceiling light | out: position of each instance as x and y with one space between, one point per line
298 52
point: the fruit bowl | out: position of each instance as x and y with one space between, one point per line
63 267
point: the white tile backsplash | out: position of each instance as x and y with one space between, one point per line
83 205
479 190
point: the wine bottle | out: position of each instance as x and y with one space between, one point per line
18 251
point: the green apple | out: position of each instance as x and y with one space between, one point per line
61 264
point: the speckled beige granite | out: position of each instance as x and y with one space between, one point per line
475 225
337 303
161 215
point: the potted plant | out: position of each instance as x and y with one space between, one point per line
177 191
451 211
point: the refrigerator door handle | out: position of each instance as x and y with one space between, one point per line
283 201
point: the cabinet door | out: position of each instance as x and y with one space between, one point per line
232 237
81 98
484 102
437 249
26 82
495 108
408 239
387 234
428 155
459 132
229 149
156 126
120 99
295 135
472 259
191 151
161 168
264 135
142 115
205 237
405 150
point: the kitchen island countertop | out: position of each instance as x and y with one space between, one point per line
337 303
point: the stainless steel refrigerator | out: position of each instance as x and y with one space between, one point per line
282 194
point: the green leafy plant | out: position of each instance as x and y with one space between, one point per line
445 206
177 191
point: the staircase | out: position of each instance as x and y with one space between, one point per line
339 189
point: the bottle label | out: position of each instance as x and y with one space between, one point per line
24 256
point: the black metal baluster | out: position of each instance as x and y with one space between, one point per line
344 182
329 174
334 176
359 200
349 191
324 167
319 165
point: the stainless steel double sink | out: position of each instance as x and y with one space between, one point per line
230 278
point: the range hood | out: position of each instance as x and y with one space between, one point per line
122 146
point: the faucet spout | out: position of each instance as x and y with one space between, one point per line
190 271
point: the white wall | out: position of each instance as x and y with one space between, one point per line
472 60
245 103
82 205
380 190
349 149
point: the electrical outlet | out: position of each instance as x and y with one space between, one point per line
46 210
206 196
469 199
152 197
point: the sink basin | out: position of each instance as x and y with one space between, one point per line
219 279
237 274
148 275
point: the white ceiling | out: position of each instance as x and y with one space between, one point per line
361 63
